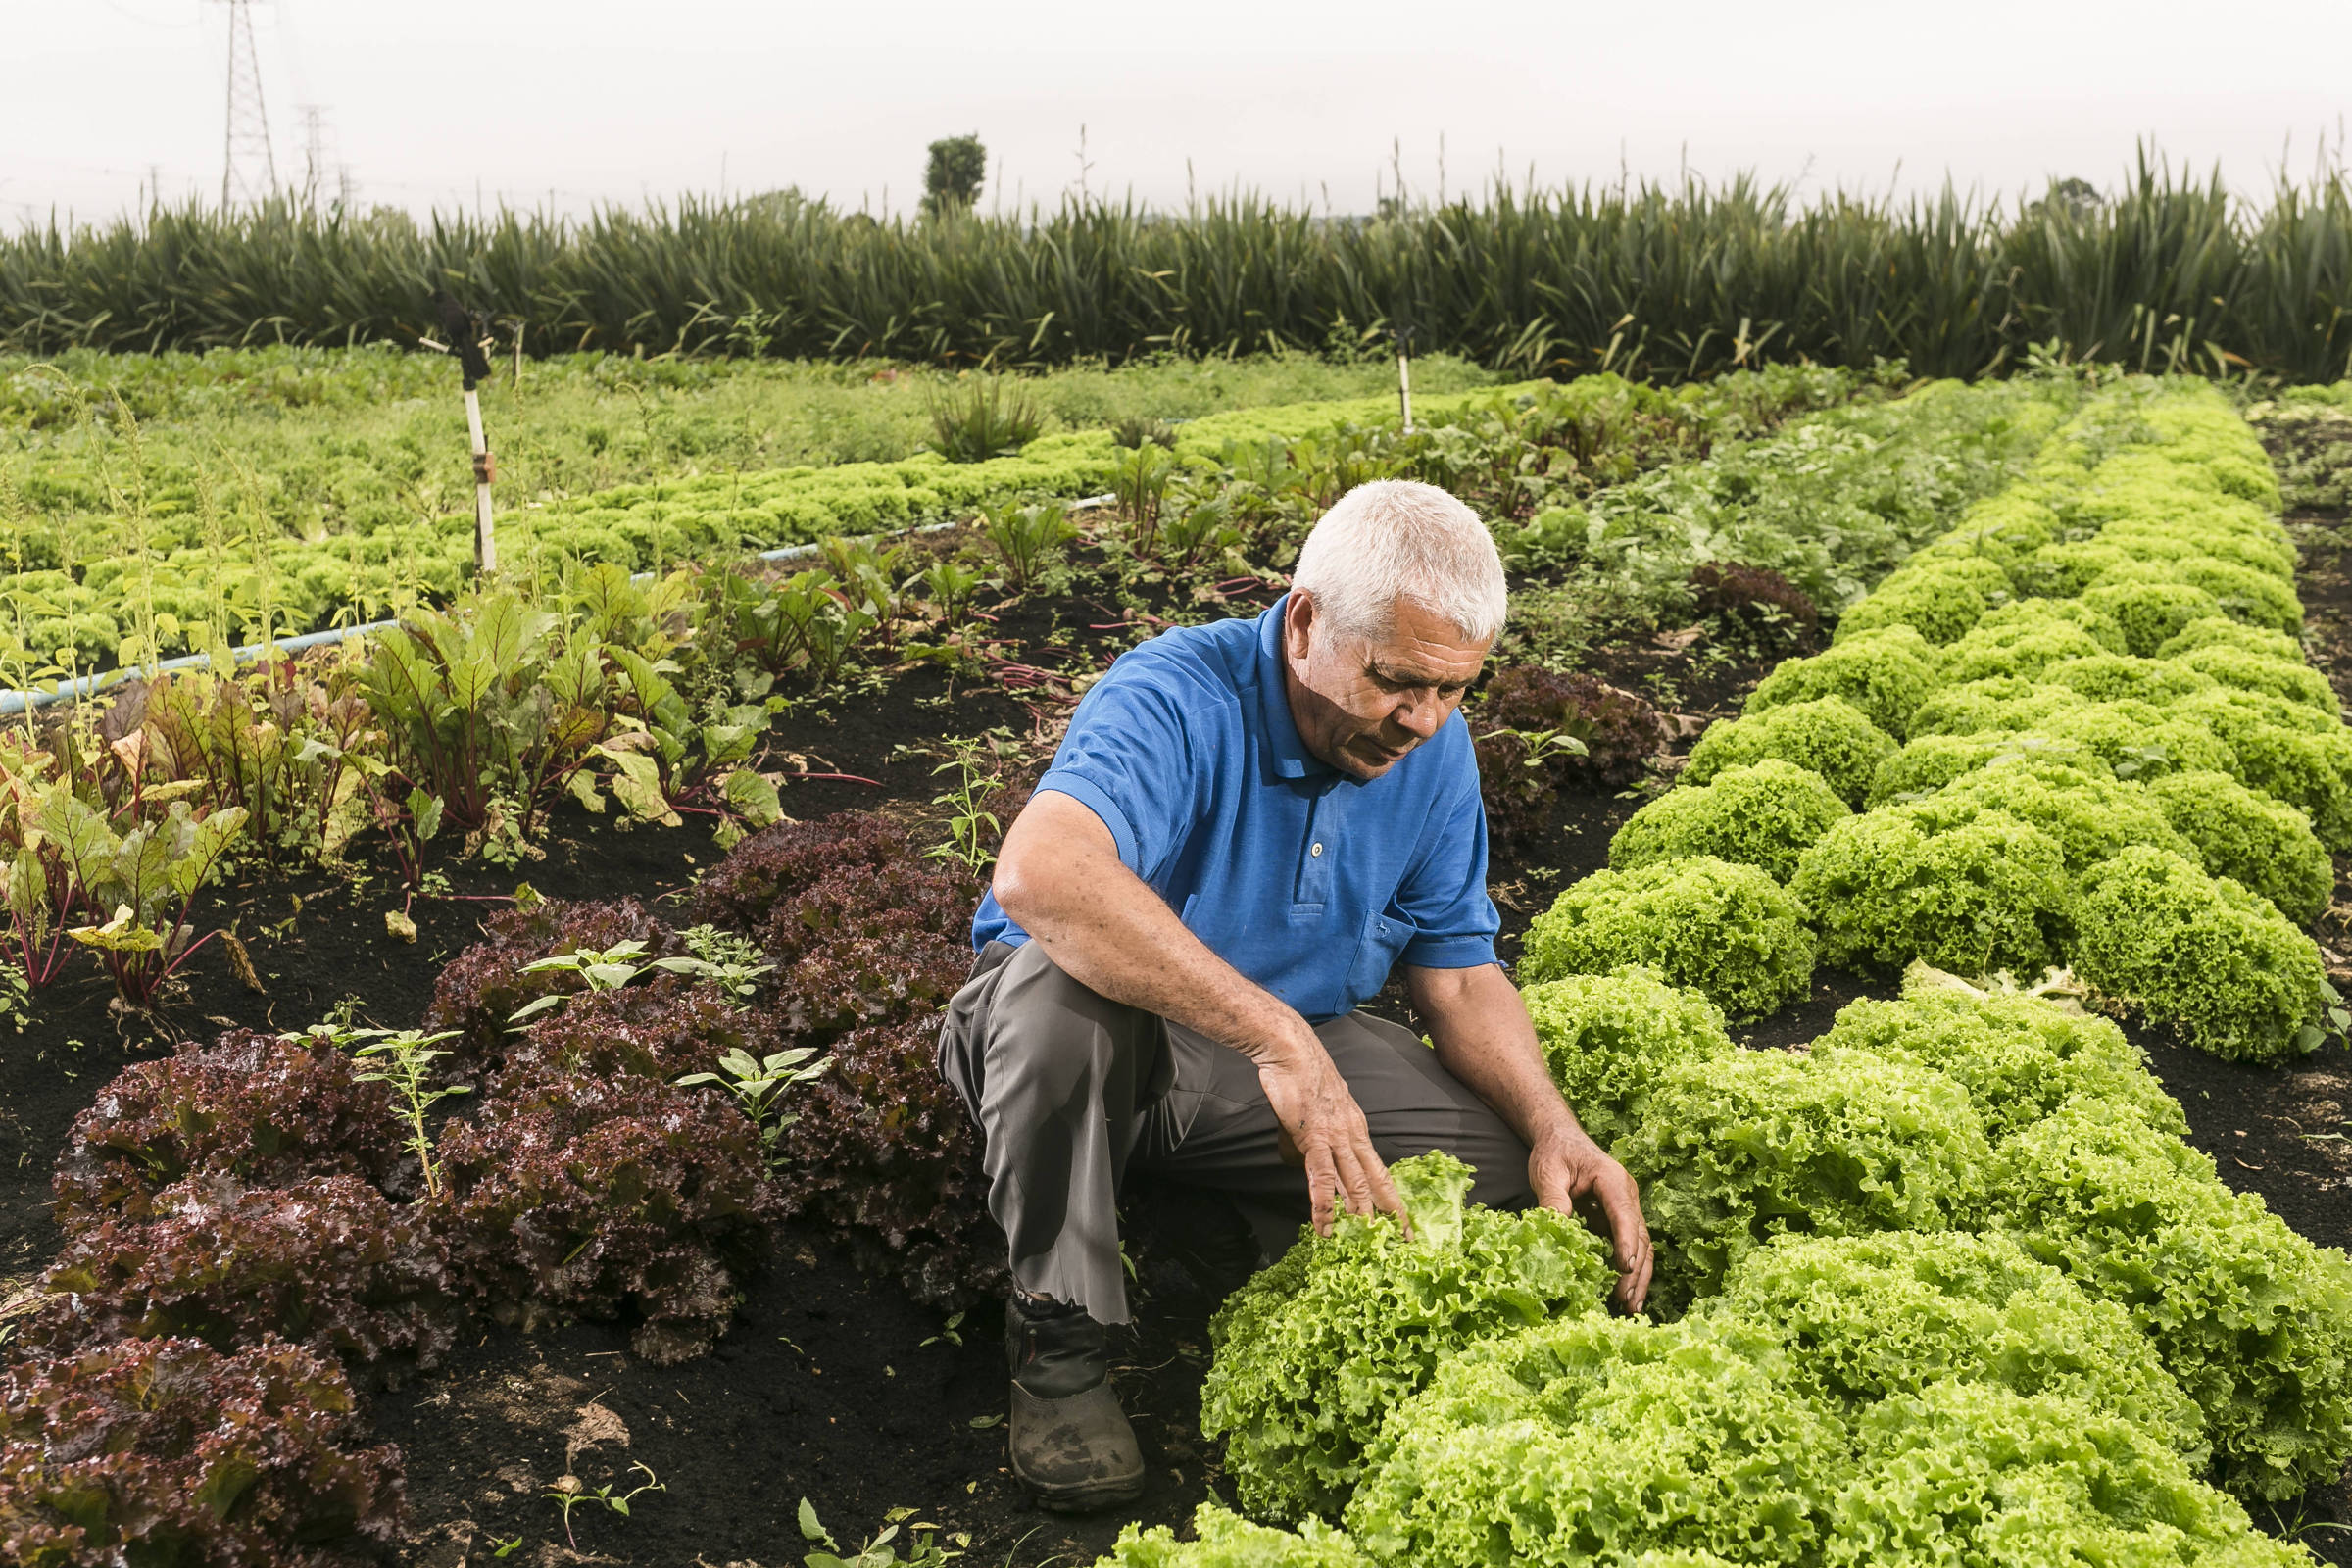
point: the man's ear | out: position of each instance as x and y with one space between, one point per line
1299 623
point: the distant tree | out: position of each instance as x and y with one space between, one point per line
2071 197
951 179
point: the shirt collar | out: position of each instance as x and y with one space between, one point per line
1292 759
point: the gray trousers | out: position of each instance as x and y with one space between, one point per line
1071 1091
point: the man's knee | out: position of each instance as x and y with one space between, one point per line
1034 1032
1413 1106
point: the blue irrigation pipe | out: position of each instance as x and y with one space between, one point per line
13 703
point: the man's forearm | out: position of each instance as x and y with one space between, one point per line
1062 879
1484 1038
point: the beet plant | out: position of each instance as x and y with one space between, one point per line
168 1451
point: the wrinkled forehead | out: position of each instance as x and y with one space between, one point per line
1420 647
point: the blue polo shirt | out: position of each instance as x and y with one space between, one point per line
1311 883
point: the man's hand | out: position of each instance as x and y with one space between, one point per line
1575 1176
1322 1118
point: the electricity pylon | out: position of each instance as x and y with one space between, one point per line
248 165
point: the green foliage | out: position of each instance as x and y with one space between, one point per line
1886 674
1733 1151
2112 678
2202 954
1827 736
1314 1352
1998 705
1963 1472
1866 1319
1765 816
2019 1057
1930 763
2220 631
1728 931
1225 1539
2151 612
1941 598
2253 1321
1963 886
1606 1037
953 175
2291 753
2086 811
2264 846
1598 1439
2252 670
987 417
2137 740
2017 649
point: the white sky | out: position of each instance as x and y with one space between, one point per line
579 101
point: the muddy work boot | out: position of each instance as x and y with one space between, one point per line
1071 1445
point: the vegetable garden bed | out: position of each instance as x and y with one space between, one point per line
839 1381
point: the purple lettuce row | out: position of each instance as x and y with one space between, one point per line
326 1263
170 1451
580 1197
267 1110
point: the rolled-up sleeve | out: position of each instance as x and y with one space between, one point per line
1444 894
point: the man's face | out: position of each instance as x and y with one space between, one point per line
1361 704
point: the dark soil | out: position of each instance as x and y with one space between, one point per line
826 1388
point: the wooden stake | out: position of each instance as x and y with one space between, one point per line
485 536
1404 385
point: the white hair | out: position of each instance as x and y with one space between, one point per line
1395 539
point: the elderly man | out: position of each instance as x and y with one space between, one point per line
1247 826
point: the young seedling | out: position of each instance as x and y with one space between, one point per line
952 1331
968 815
405 1058
733 961
758 1085
572 1497
923 1549
611 968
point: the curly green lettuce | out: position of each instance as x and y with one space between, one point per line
1730 931
1607 1036
1733 1151
2253 1321
1974 1473
1827 736
1764 815
1599 1440
1966 888
2266 846
1225 1539
1312 1354
2018 1056
2202 954
1866 1319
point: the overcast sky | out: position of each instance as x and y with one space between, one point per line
581 101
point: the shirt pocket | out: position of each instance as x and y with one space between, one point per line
1377 949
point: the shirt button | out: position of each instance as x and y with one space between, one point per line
1316 849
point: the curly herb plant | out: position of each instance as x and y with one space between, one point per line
1827 736
1728 931
1314 1352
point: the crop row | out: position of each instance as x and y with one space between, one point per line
1677 279
1948 1285
263 1227
2076 730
